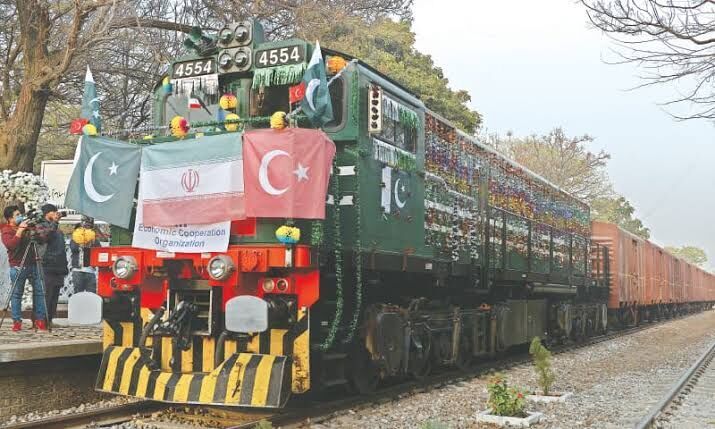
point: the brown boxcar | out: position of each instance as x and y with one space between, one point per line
646 281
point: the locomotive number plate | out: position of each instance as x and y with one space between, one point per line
194 68
280 56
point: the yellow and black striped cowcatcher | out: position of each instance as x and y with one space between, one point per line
243 379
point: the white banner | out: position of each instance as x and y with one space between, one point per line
57 175
181 238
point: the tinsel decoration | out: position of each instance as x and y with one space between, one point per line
83 236
357 255
228 102
179 126
316 233
89 130
278 120
461 162
338 255
408 118
232 123
393 156
166 85
206 86
335 64
279 75
288 234
77 125
398 112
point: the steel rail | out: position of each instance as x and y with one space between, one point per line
662 405
318 411
115 414
315 409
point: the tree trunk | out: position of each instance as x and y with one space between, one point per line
18 136
19 133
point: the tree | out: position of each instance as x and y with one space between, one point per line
389 46
619 211
40 43
692 254
673 40
564 161
44 48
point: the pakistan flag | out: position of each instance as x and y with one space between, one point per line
104 180
316 103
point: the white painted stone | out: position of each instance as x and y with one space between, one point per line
562 397
532 418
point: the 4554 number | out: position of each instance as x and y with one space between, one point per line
194 68
280 56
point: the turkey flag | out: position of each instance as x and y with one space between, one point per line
286 172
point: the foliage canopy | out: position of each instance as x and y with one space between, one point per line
692 254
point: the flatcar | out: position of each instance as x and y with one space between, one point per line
435 251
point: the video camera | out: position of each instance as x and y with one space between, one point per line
33 217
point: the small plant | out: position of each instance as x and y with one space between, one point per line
263 424
504 400
542 362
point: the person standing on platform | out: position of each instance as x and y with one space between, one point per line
15 237
54 260
84 237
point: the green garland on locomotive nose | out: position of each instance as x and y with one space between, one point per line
338 252
316 238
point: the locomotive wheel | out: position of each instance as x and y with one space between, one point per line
364 375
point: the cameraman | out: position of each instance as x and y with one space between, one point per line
16 241
54 261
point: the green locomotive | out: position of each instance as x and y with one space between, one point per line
435 251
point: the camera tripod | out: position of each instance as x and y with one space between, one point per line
41 277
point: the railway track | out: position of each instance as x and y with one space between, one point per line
99 417
300 410
689 402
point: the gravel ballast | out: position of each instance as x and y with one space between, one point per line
615 383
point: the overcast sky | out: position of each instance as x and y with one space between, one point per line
531 66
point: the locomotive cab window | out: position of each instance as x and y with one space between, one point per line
270 99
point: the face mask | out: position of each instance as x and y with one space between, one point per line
19 219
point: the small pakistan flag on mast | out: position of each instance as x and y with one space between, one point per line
90 102
104 179
316 103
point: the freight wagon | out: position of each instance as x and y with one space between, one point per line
435 251
648 283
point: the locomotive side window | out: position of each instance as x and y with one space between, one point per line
393 130
337 99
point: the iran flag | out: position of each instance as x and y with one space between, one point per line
286 172
197 181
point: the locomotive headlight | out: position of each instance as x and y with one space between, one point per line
125 267
225 35
243 33
224 60
268 285
282 285
241 58
220 267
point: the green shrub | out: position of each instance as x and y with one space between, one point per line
542 363
504 400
